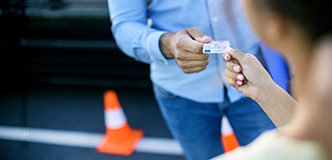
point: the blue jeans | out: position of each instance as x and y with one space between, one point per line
197 125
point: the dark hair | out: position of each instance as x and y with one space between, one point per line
315 16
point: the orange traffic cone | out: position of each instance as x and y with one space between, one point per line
228 137
120 138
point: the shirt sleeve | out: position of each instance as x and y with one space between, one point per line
131 33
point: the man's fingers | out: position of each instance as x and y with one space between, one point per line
185 42
198 35
193 69
188 56
192 64
191 40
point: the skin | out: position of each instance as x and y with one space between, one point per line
287 37
186 47
309 117
313 120
256 83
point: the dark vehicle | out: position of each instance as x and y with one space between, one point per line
58 57
64 42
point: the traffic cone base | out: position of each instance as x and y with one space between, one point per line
230 142
124 145
228 137
120 138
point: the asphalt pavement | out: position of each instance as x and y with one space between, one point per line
75 108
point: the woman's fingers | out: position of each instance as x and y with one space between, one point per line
226 57
233 82
230 65
237 77
233 75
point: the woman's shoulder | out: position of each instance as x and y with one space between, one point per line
271 145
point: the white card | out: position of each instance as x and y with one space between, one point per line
215 46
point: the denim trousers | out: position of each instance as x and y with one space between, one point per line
197 125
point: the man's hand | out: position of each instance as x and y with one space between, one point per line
186 47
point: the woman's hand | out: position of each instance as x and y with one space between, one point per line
246 73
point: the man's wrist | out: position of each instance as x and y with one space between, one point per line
165 45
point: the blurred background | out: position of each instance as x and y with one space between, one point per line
58 57
66 40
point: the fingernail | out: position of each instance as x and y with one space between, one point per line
236 68
227 57
239 82
205 38
228 49
239 76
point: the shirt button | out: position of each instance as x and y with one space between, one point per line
215 19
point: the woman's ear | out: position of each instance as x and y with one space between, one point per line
275 27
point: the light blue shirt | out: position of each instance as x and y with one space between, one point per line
141 42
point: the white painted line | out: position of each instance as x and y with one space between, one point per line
159 146
85 139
